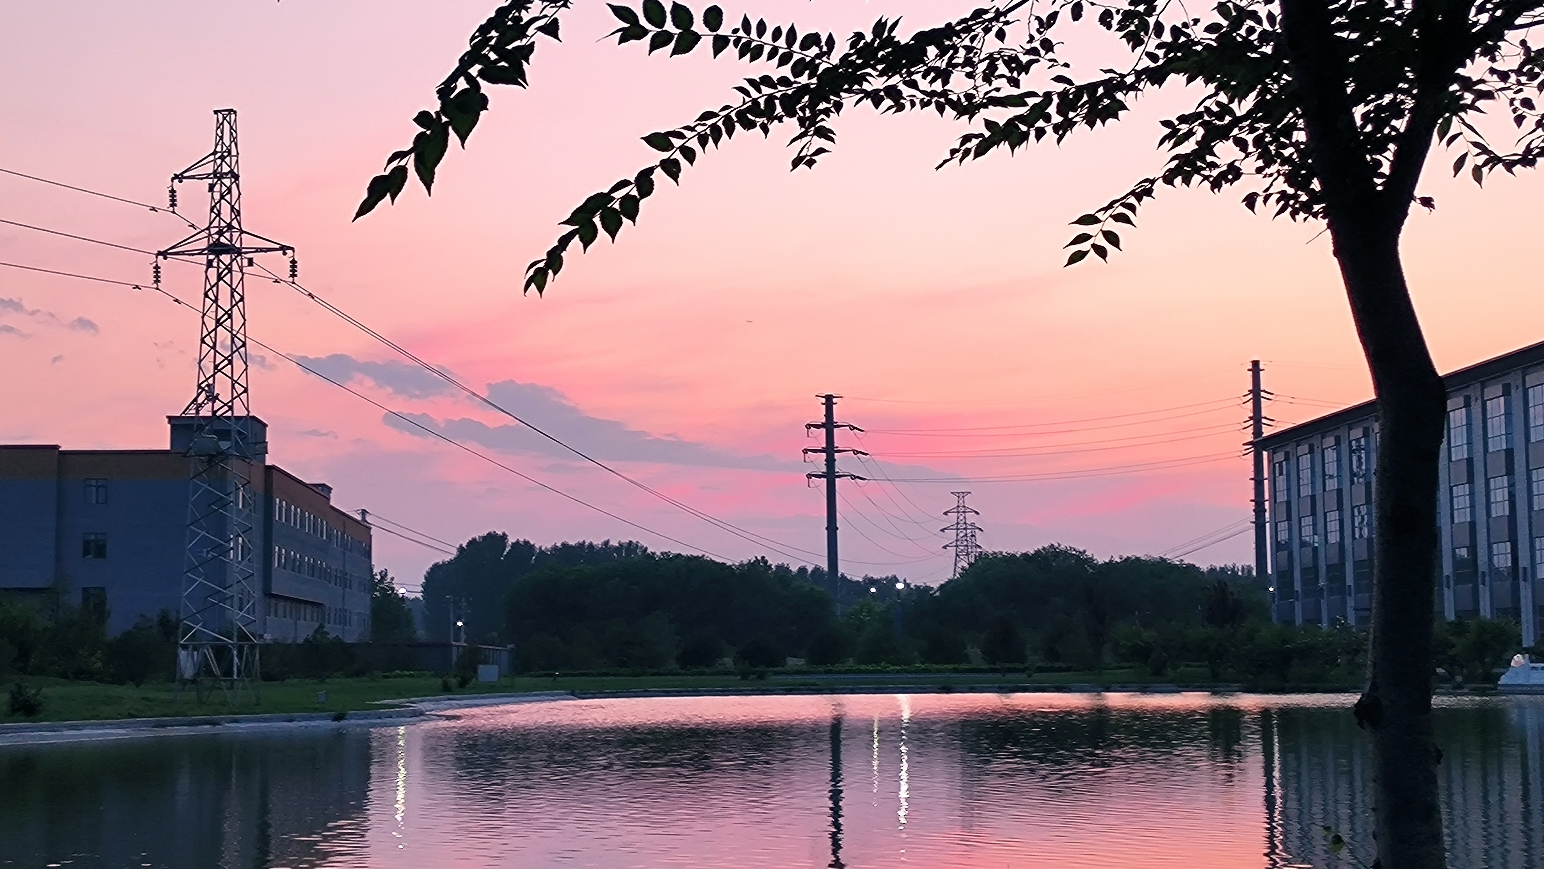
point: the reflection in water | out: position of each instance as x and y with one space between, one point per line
836 793
903 792
983 780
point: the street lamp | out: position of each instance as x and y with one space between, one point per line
462 625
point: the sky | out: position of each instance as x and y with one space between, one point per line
688 355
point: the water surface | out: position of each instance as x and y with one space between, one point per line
862 781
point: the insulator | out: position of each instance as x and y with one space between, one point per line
171 198
250 263
155 272
294 268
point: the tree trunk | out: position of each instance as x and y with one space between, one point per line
1395 708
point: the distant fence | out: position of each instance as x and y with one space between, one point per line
432 657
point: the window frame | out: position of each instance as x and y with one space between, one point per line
1458 424
1499 495
1498 423
1461 503
93 545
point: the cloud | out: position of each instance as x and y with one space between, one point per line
56 360
318 433
6 329
15 306
604 439
400 378
260 361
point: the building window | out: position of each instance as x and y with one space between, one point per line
1463 560
1358 450
93 602
1501 495
1536 413
1279 476
1538 553
1307 534
1282 533
1458 433
1361 522
1498 423
1305 473
1501 557
1463 503
96 490
93 545
1536 488
1331 527
1331 463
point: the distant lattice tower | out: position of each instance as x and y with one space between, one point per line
220 604
966 548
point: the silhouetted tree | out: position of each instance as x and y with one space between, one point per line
391 621
1326 109
1003 644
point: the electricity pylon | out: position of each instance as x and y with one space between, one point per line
829 425
220 589
965 547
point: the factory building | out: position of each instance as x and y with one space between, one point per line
1490 503
107 530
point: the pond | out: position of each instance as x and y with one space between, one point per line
860 781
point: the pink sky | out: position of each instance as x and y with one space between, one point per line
741 294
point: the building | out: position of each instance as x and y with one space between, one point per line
1490 505
107 529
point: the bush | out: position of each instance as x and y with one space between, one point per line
465 669
1003 643
26 701
701 650
760 653
830 646
147 651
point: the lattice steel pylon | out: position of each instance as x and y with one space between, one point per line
218 638
965 546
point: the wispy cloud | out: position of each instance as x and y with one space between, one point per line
399 378
318 433
604 439
38 315
7 329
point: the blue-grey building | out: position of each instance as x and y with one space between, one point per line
1490 503
107 530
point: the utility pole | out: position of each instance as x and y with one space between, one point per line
224 443
831 475
1257 423
965 546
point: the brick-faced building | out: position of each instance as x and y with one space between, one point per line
108 528
1490 503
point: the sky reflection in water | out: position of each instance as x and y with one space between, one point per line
952 781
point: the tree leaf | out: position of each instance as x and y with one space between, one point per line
644 183
396 180
1086 220
428 150
685 41
672 168
654 13
681 17
720 42
550 29
624 14
628 205
375 192
425 119
1078 239
660 39
588 233
712 19
1112 238
1100 251
611 222
659 141
1077 257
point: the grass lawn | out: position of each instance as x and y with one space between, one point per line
78 701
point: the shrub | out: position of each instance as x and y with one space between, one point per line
465 669
26 701
831 645
1003 643
760 653
701 650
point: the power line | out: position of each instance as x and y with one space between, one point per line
1138 441
1209 545
1082 473
877 544
157 209
1117 391
376 517
77 237
438 549
431 432
1194 540
1212 406
723 525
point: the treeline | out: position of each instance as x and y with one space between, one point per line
617 607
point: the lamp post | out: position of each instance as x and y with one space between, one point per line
900 623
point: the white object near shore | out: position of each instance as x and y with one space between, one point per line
487 672
1523 677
